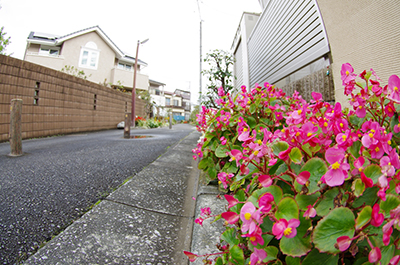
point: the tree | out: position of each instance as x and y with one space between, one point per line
219 75
3 41
68 69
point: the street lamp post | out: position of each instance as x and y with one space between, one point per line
134 82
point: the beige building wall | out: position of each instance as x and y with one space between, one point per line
364 33
71 50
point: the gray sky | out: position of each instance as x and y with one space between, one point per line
173 27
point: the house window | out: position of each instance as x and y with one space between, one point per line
176 102
49 51
167 101
89 57
123 66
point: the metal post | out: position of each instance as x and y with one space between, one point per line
127 128
134 87
15 135
170 120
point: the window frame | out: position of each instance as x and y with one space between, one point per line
46 50
92 55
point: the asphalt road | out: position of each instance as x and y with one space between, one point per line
59 178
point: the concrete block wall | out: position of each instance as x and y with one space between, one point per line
58 103
364 33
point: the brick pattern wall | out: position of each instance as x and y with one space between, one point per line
317 82
365 34
58 103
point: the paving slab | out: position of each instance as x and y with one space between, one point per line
114 233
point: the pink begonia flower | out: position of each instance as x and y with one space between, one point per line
285 228
199 221
303 177
265 180
205 211
278 115
192 257
230 217
387 232
376 217
395 260
390 163
310 213
393 88
223 140
347 73
338 170
257 256
225 178
265 202
255 237
367 181
316 96
343 242
231 200
358 166
374 255
221 92
235 155
390 110
250 216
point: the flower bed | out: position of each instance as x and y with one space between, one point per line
306 182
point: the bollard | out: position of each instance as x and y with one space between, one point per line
127 128
15 135
170 121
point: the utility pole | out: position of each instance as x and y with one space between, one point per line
201 53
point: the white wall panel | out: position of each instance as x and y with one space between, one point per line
289 35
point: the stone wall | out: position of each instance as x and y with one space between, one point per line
58 103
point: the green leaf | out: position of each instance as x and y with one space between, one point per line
236 255
299 245
230 237
363 217
274 190
275 167
326 203
369 197
317 258
287 209
253 108
221 151
392 201
317 168
251 122
304 200
219 261
339 222
307 149
203 164
355 149
212 172
387 253
373 172
292 261
272 253
358 187
279 147
295 155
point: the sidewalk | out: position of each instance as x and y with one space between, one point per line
148 220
